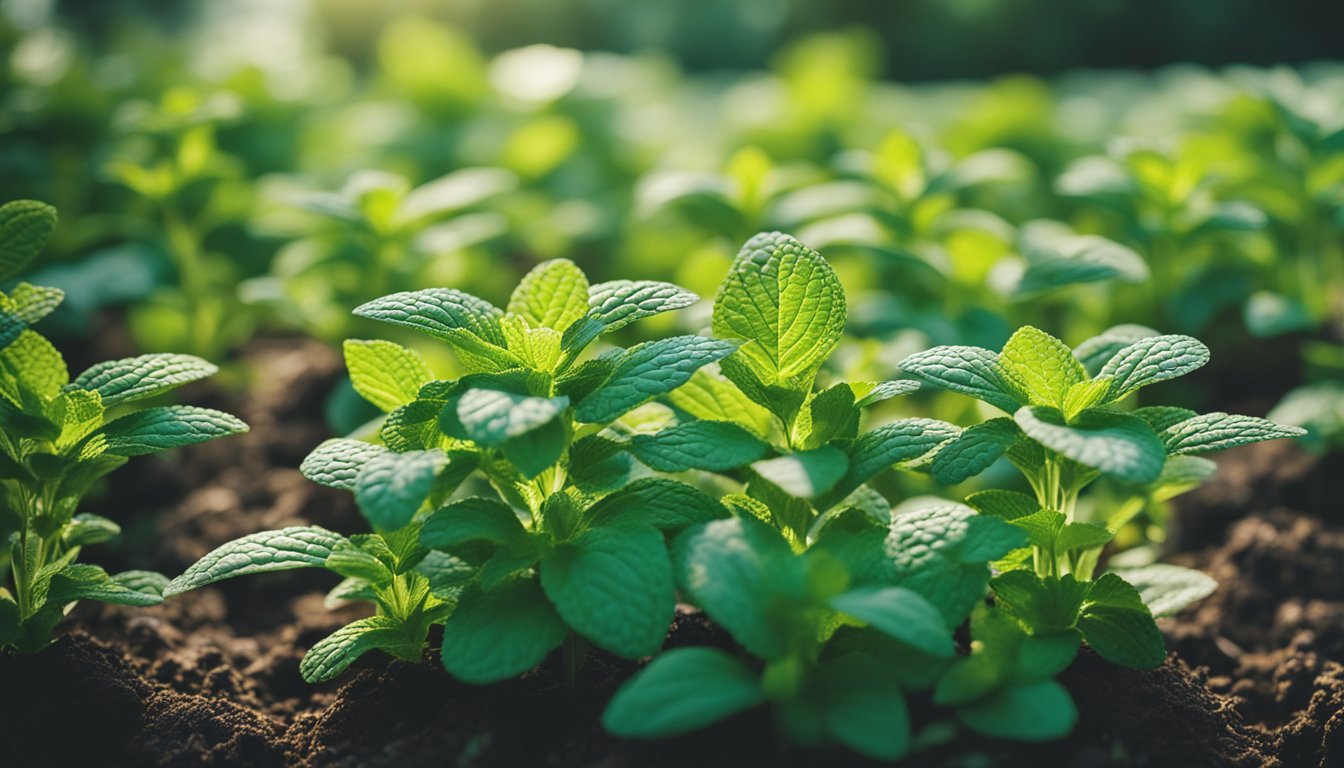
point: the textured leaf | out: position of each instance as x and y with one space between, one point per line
618 303
1044 604
830 415
900 614
1040 711
681 691
491 418
882 391
334 653
473 519
1005 505
34 302
710 397
30 366
500 634
783 296
81 412
303 546
337 462
614 587
89 582
660 502
391 487
85 529
715 446
967 370
1098 350
11 327
807 474
974 450
1040 366
553 295
646 371
158 429
1116 444
1153 359
25 227
1166 589
1078 259
388 375
1218 431
135 378
888 445
469 324
1117 624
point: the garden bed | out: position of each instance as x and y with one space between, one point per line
212 678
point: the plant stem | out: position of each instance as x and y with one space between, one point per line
575 649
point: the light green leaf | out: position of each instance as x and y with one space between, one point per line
1219 431
681 691
618 303
1098 350
871 394
614 587
646 371
901 615
1005 505
391 487
710 397
785 298
302 546
30 367
714 446
158 429
1166 589
967 370
81 412
34 302
553 295
1153 359
1116 444
386 374
337 462
1117 624
25 227
807 474
469 324
500 634
1040 366
974 450
660 502
1084 395
830 415
334 653
89 582
136 378
1040 711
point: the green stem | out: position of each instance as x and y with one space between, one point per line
575 649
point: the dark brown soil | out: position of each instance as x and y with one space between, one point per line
212 678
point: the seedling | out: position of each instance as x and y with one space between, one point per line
1066 431
61 436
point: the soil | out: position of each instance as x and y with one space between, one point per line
1256 677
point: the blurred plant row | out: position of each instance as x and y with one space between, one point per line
219 186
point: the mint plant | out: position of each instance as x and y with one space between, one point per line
1065 431
60 436
569 552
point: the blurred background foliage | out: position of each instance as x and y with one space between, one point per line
263 166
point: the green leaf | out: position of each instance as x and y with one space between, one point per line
901 615
1163 417
806 474
870 395
1040 366
352 561
681 691
1166 589
1116 444
492 418
1153 359
553 295
173 426
89 582
500 634
740 571
714 446
830 415
614 587
1218 431
1045 605
974 450
1040 711
30 367
1084 395
888 445
967 370
660 502
646 371
136 378
388 375
85 529
25 227
11 327
1077 259
334 653
710 397
1006 505
337 462
80 414
34 302
303 546
469 324
473 519
391 487
1098 350
618 303
784 298
864 706
1117 624
538 450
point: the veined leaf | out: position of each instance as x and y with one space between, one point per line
1098 350
1116 444
661 502
469 324
553 295
499 634
715 446
135 378
870 394
1218 431
337 462
618 303
710 397
158 429
900 614
25 227
806 474
304 546
492 418
334 653
1117 624
967 370
1040 366
1153 359
888 445
473 519
974 450
391 487
388 375
646 371
1166 589
681 691
34 302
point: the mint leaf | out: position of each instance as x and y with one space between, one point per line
34 302
646 371
469 324
135 378
900 614
492 418
785 299
388 375
500 634
660 502
614 587
1117 624
1153 359
888 445
1218 431
966 370
1166 589
337 462
1116 444
473 519
871 394
710 397
158 429
864 706
25 227
974 450
1040 711
334 653
391 487
681 691
1006 505
1040 366
304 546
714 446
807 474
618 303
89 582
1098 350
553 295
